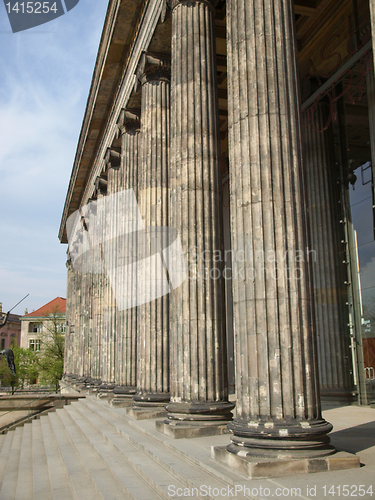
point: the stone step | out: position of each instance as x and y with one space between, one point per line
151 472
4 454
8 488
106 482
188 449
136 487
61 486
42 487
82 483
185 473
24 490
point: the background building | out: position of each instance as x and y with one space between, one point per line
11 331
39 321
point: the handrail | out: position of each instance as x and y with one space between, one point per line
29 403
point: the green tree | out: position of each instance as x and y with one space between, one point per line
26 365
26 368
6 377
50 358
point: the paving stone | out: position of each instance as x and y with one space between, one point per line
41 481
8 489
24 489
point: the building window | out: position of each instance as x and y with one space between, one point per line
60 328
34 345
35 327
2 343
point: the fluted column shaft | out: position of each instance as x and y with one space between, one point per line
153 186
70 313
328 257
110 228
198 341
275 346
126 354
76 320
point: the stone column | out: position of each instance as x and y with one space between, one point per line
199 389
100 284
89 277
96 295
74 315
126 353
153 313
70 314
327 258
278 401
110 228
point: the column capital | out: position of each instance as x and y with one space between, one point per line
112 158
128 121
100 186
153 67
189 3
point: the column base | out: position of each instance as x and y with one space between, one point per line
105 391
121 401
124 390
93 386
200 411
265 468
281 439
148 405
122 396
179 430
151 400
144 413
196 419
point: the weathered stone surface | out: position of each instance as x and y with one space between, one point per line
153 201
262 468
126 349
146 413
276 361
197 321
111 223
180 430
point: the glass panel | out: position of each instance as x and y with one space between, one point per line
362 203
336 64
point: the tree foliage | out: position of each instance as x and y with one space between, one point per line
45 365
50 358
26 368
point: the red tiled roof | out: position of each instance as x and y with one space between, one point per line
57 305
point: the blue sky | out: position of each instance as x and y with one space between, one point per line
45 79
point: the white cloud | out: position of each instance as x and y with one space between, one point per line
43 93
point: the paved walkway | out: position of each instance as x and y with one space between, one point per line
90 450
354 431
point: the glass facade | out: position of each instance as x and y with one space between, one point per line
337 86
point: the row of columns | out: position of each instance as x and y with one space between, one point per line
173 349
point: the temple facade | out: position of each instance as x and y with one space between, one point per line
220 216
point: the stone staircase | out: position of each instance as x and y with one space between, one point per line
89 450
